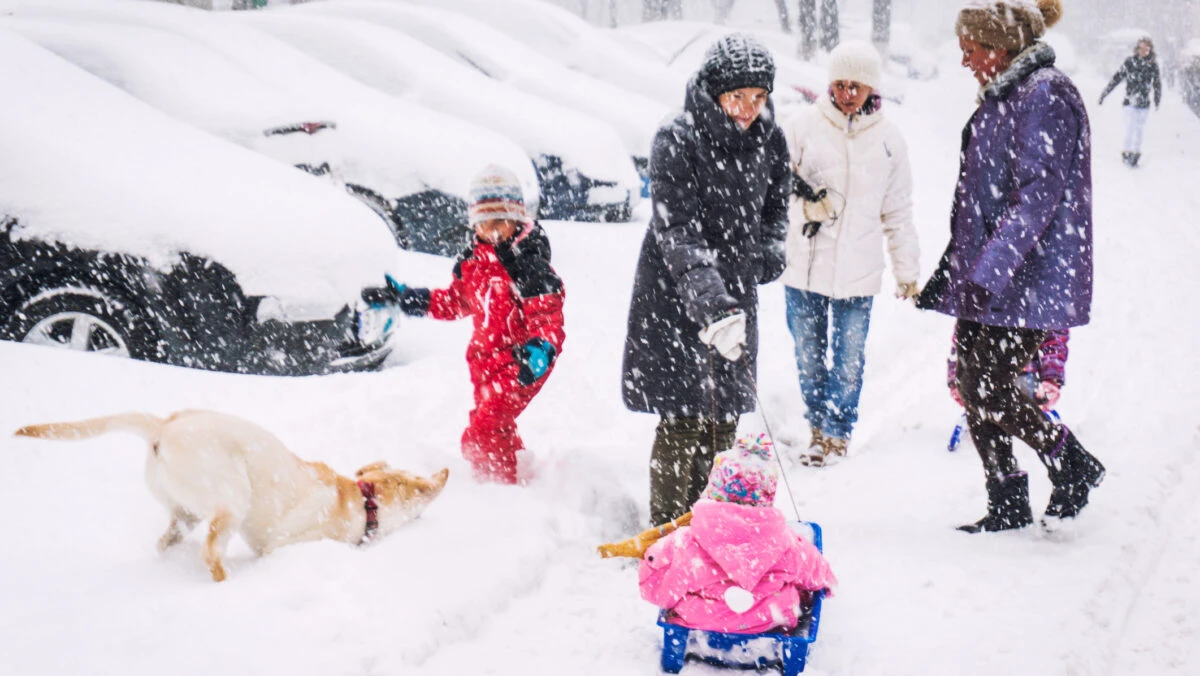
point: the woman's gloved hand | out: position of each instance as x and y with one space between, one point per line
907 290
727 335
821 210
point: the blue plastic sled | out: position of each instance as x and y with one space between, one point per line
789 651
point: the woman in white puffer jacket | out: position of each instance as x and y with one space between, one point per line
854 164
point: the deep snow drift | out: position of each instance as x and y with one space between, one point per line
500 580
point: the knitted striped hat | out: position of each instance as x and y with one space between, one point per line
496 194
744 474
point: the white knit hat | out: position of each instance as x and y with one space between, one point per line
856 61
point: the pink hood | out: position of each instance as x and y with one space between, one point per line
729 545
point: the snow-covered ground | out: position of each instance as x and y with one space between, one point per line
504 580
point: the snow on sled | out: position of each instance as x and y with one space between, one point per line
787 650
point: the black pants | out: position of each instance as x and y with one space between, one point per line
681 460
990 361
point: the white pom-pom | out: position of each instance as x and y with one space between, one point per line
739 600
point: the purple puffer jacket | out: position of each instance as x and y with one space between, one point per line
1020 252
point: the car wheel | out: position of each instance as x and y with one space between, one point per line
86 319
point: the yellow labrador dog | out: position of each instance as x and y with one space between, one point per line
208 465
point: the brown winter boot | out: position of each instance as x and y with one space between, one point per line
828 452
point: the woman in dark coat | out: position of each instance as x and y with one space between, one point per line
1019 263
719 182
1140 73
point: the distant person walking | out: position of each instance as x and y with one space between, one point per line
1140 73
1019 262
719 183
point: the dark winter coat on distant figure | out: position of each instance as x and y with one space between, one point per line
1020 253
1141 76
717 231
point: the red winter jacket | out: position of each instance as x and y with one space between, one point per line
512 294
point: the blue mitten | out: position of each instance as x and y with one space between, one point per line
534 359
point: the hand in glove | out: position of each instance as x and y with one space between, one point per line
534 359
821 210
906 290
1047 394
412 302
727 335
774 261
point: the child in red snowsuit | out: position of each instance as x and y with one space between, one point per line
504 281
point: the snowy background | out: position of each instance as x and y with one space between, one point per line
505 580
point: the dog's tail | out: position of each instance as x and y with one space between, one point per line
142 424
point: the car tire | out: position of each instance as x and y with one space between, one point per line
81 316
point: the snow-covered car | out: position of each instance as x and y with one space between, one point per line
125 231
574 43
419 160
475 44
583 170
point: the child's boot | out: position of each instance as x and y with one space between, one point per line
1008 505
1074 472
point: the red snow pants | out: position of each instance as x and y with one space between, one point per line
490 442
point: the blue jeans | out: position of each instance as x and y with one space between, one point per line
831 340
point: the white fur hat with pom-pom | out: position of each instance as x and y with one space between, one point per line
856 61
1007 24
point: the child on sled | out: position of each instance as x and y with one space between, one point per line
737 567
505 283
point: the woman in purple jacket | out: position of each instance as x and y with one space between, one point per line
1019 263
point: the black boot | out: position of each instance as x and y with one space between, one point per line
1133 159
1008 505
1125 156
1074 472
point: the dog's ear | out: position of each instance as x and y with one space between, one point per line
375 466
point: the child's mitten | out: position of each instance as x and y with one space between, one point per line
534 359
1047 394
412 302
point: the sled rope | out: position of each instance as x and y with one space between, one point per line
762 411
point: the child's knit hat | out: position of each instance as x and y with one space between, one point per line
744 474
496 194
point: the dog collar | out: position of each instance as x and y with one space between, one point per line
372 508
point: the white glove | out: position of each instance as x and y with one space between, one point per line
727 335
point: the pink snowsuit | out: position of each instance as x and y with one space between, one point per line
730 545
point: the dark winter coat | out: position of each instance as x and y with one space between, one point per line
717 231
1140 75
1020 252
511 293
